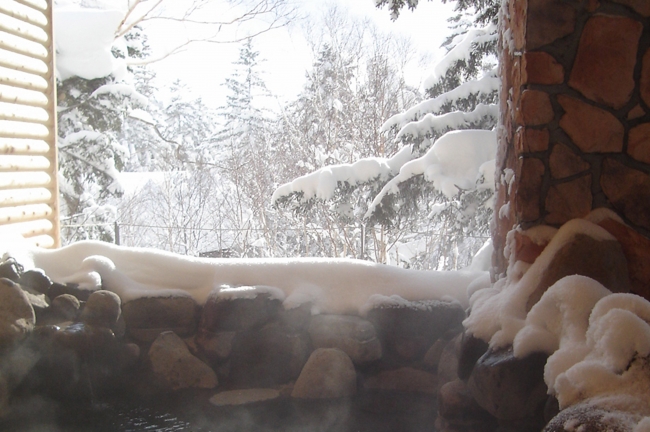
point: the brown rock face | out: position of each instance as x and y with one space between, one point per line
628 190
638 145
592 129
531 172
532 140
564 163
604 65
566 201
542 68
637 252
536 108
645 78
548 20
640 6
583 255
635 113
526 249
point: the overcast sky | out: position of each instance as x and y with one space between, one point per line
205 66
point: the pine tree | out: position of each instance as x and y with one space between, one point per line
461 95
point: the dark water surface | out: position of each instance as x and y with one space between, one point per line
372 412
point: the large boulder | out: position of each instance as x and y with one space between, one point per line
508 387
328 374
237 309
581 254
269 356
17 316
407 329
102 309
175 367
404 379
353 335
147 317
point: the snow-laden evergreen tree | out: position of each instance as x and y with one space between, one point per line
356 83
244 153
442 190
91 113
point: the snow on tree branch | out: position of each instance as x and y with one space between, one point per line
462 50
452 120
486 85
455 162
322 183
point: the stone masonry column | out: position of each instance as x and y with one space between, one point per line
574 131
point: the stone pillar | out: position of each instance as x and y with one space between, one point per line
574 131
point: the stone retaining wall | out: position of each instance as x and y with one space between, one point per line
75 344
575 121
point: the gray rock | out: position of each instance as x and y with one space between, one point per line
328 374
102 309
507 387
65 307
147 317
4 397
243 397
175 367
353 335
17 316
405 379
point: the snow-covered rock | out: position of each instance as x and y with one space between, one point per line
241 308
409 328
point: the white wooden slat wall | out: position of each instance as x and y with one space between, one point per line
29 198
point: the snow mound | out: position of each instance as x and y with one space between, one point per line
84 38
331 285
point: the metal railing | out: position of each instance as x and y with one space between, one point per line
28 158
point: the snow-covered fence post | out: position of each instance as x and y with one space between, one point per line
29 195
574 132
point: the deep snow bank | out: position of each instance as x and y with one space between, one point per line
331 285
